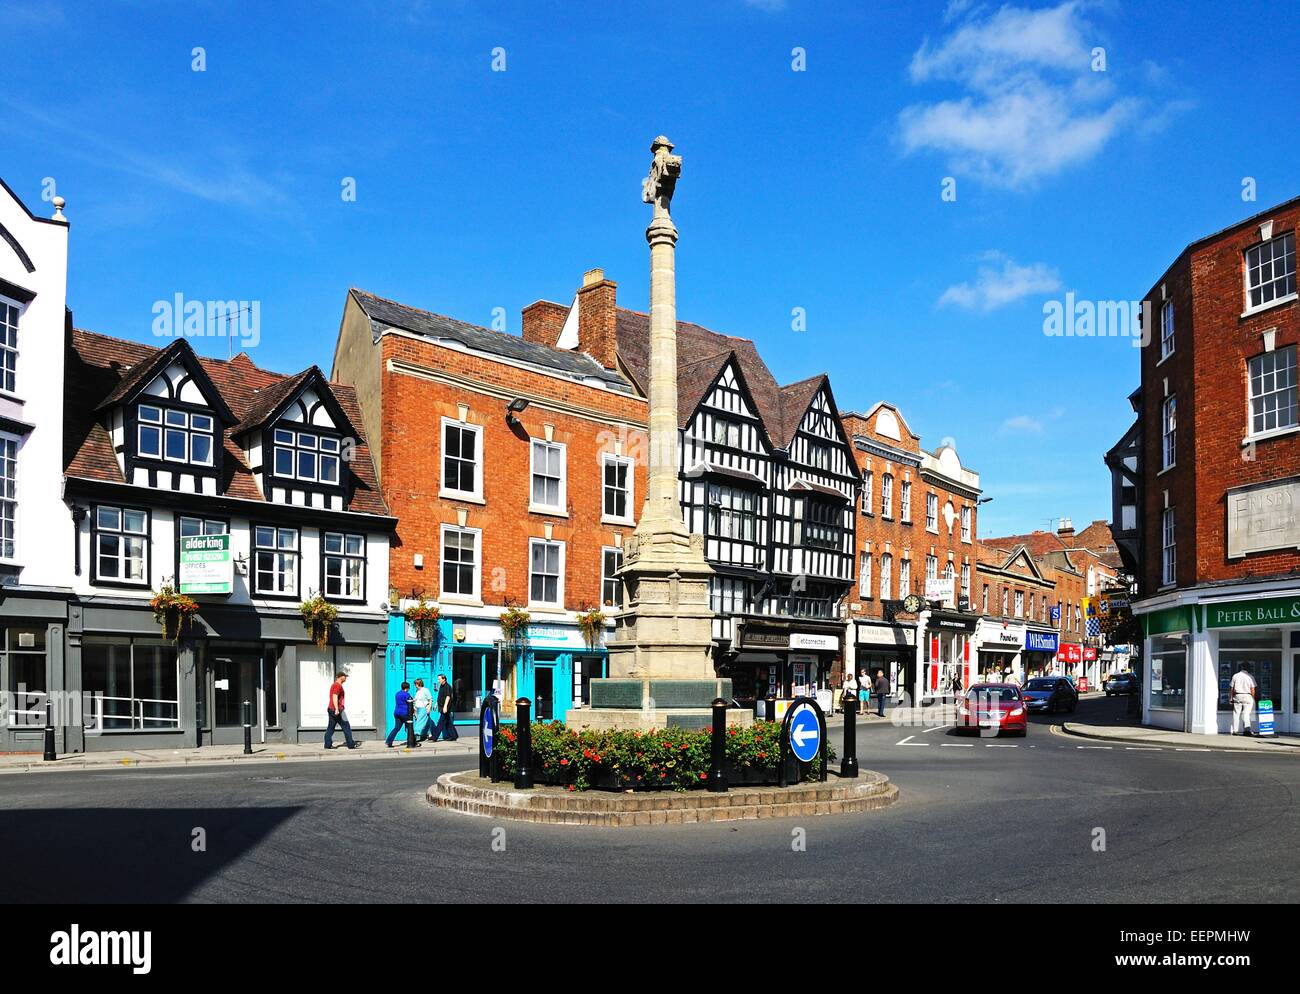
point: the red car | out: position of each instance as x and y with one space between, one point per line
995 707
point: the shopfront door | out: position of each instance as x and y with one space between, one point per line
1291 716
24 678
234 678
552 686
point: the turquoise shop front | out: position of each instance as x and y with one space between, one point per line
553 669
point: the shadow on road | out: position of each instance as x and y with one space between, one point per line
96 855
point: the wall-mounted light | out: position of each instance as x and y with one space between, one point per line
516 406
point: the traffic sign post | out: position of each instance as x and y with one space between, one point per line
488 723
803 735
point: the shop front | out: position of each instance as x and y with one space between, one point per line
552 667
143 691
1041 647
945 667
1193 650
999 647
1069 660
880 646
784 659
32 669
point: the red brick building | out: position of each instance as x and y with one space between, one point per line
916 522
1207 483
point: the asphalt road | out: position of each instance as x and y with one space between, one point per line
979 820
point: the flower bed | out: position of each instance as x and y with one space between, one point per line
660 759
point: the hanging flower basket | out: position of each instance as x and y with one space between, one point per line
592 625
318 616
424 617
173 611
514 626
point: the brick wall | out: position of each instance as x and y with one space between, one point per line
413 409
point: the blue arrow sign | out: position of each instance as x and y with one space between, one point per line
487 733
805 734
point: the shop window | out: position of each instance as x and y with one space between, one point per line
24 660
1260 652
134 686
467 678
1168 673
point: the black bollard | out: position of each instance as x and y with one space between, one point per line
248 728
524 748
718 772
849 765
50 754
410 726
771 708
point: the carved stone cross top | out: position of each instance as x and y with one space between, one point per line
657 188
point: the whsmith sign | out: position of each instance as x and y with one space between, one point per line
1272 611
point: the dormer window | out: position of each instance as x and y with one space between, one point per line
301 455
174 436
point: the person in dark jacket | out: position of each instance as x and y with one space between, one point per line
446 726
401 712
882 691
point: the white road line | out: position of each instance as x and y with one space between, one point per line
1143 749
958 745
1094 747
1182 749
908 741
1001 745
935 728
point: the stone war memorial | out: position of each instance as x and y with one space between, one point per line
661 672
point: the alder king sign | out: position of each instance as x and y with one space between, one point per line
206 566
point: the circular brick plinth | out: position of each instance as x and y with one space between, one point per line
471 794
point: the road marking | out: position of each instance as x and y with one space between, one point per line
1182 749
958 745
935 728
1001 745
908 741
1143 749
1094 747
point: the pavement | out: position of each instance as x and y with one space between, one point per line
1048 818
278 752
1163 737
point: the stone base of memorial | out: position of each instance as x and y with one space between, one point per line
471 794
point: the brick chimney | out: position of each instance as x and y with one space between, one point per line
597 317
1065 531
543 321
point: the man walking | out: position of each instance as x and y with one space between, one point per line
1243 692
401 712
446 726
336 714
882 691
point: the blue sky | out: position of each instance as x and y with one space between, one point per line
817 189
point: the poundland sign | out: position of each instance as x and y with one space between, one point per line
1273 611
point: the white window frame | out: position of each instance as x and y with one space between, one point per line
445 491
559 507
905 500
1020 603
9 497
123 535
475 596
318 451
932 567
345 557
614 519
558 603
1258 251
887 495
867 492
967 515
7 350
605 577
1005 601
904 577
932 513
1169 433
282 554
1166 330
1253 399
864 576
886 577
1168 549
965 582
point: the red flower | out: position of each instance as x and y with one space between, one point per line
571 787
564 762
685 746
704 776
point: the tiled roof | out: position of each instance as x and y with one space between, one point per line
1039 543
98 364
699 351
385 314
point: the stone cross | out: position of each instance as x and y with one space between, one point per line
657 188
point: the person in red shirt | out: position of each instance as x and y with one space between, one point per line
337 716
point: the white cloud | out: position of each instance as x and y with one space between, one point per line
1000 282
1021 424
1030 105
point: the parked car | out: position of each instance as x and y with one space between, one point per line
997 707
1050 694
1121 683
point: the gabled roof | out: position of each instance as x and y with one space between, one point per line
385 314
270 403
1039 543
146 369
98 364
1004 558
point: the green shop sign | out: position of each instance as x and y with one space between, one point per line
1268 611
1170 620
